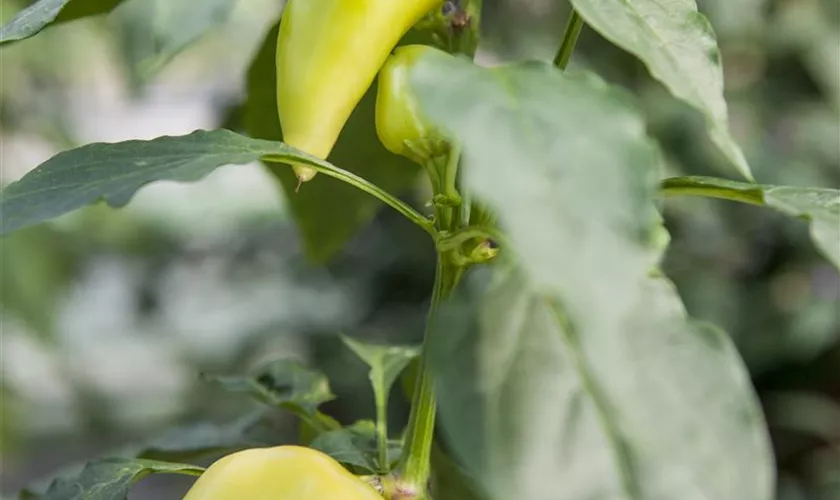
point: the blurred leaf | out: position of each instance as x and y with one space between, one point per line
328 212
449 481
9 421
286 384
37 16
811 414
109 479
651 406
356 445
820 206
308 431
115 171
678 46
585 176
37 265
408 380
201 439
153 32
581 376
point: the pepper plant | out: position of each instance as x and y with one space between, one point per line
558 361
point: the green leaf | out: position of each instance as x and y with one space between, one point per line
356 446
115 171
110 479
153 32
820 206
286 384
328 213
449 481
678 46
574 374
29 21
386 364
641 405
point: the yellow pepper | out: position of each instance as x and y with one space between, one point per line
279 473
328 54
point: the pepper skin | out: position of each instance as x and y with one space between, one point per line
328 54
400 124
279 473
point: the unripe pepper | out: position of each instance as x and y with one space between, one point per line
328 54
400 124
279 473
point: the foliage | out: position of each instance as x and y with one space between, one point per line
566 366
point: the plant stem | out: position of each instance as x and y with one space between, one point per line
415 467
368 187
382 431
700 186
450 183
573 29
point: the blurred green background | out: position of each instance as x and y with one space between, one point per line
109 316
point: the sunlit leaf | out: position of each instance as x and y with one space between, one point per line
678 46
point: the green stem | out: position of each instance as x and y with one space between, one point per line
368 187
382 431
573 29
415 467
713 188
415 463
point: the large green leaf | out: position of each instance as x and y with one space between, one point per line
678 46
580 376
29 21
111 479
820 206
328 213
115 171
152 32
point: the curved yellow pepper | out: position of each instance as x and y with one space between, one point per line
328 54
279 473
